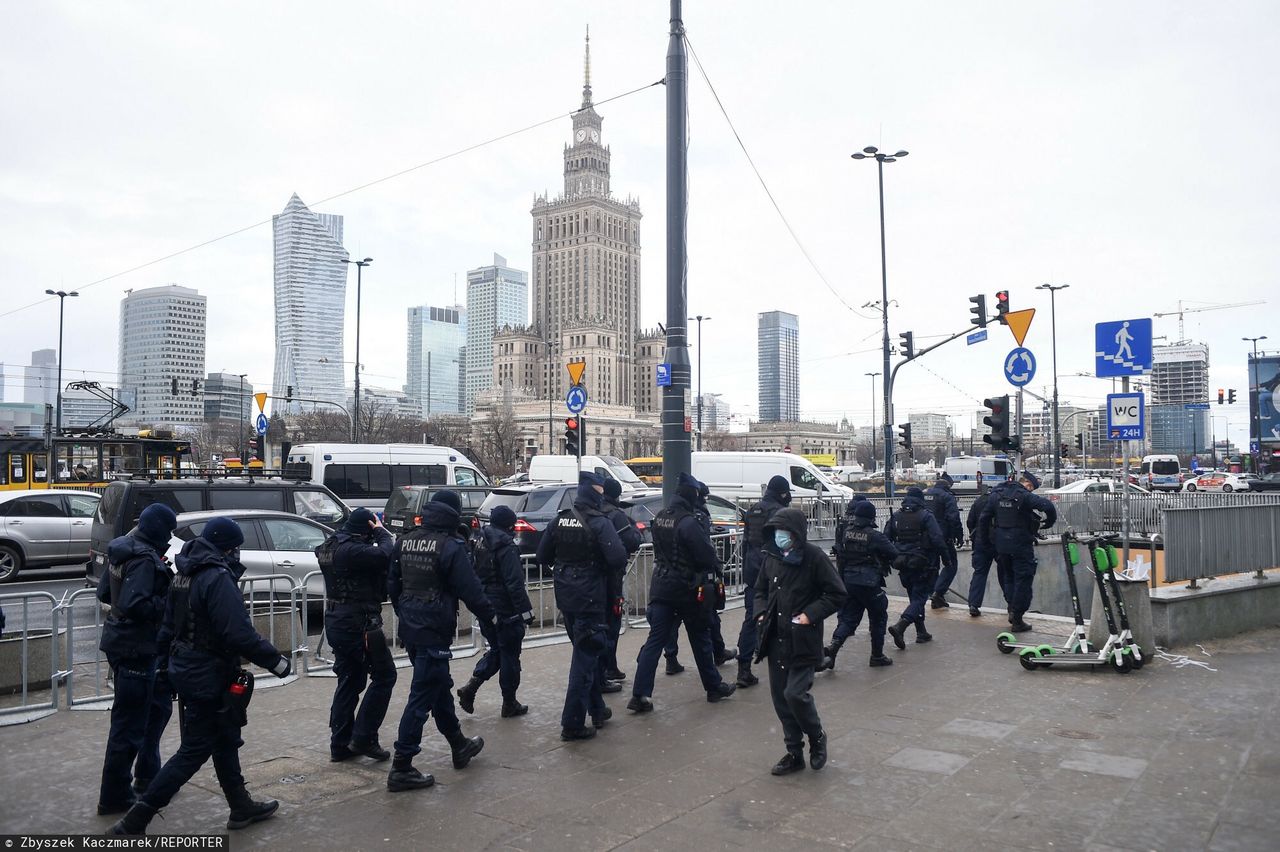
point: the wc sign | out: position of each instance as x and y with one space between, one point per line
1126 417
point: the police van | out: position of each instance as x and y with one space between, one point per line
967 471
367 474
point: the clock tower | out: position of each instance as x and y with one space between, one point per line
586 161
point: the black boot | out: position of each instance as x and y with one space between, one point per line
1017 625
372 748
673 666
640 704
745 677
829 655
245 811
135 821
896 630
922 635
464 749
725 656
511 707
974 612
790 763
109 808
818 750
721 691
878 660
404 777
937 601
467 695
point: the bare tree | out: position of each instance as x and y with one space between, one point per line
216 436
499 439
715 440
318 426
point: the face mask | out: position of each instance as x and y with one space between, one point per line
233 555
782 538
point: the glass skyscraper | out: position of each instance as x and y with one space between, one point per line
778 352
497 296
437 337
162 339
311 292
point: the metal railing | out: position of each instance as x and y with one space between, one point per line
728 547
1209 541
29 657
89 679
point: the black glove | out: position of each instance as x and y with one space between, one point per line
527 618
283 668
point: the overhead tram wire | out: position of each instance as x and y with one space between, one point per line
437 160
772 200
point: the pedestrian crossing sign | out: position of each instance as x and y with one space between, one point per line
1122 348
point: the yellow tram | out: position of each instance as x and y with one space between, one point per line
86 461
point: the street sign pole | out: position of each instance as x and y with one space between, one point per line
1022 451
1124 493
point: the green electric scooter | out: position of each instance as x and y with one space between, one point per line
1078 641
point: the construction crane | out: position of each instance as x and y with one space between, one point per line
1182 334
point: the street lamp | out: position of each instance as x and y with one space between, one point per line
699 318
360 265
243 416
62 302
873 419
1255 420
1053 322
881 159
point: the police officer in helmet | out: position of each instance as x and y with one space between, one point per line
863 557
585 549
946 510
354 561
207 630
431 570
611 675
777 495
1014 512
915 531
135 587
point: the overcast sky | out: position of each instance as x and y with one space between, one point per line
1125 149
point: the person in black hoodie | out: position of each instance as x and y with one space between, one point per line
135 587
777 495
431 570
796 590
610 674
915 531
502 577
208 630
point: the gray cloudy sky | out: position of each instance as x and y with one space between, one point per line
1126 149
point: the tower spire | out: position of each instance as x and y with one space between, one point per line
586 72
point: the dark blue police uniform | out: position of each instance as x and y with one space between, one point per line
1011 512
630 538
919 539
863 558
939 499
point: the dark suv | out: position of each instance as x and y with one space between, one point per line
123 501
726 517
403 510
535 506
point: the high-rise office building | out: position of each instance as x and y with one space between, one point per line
436 336
497 296
310 303
227 397
1179 375
40 379
162 342
715 412
778 354
929 429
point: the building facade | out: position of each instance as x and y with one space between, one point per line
310 304
497 297
715 412
929 429
823 443
227 397
162 346
778 353
436 362
1179 375
40 379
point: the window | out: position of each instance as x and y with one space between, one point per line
36 507
467 476
292 535
178 499
82 505
246 498
802 478
317 506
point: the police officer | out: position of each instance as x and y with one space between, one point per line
863 557
431 570
135 587
611 676
777 495
502 577
946 510
984 554
919 538
722 653
354 561
585 549
1012 510
208 630
686 588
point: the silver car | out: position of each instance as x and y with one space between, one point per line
274 543
44 527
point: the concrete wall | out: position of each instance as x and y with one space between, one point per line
1221 607
1050 592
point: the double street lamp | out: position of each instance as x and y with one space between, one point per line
1255 419
360 265
62 302
881 159
699 319
1057 437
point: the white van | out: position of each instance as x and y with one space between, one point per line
964 471
565 469
1160 473
366 474
735 475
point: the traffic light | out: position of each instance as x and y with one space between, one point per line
1002 306
573 436
1231 396
255 448
998 421
979 311
173 386
904 436
195 387
1080 441
1221 394
1066 450
288 393
908 346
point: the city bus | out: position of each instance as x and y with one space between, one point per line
84 461
648 468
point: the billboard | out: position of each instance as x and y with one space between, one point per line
1264 379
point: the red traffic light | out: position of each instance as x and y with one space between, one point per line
571 423
1003 297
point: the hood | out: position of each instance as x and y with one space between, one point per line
944 484
588 496
496 537
439 515
791 520
127 547
912 504
197 555
864 522
684 504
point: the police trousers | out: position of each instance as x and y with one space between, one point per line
429 694
665 619
208 730
919 585
983 556
589 635
503 658
950 564
141 710
358 663
875 603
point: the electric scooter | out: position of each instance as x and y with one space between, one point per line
1126 635
1078 641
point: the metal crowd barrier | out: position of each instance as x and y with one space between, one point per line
729 548
1210 541
29 656
90 685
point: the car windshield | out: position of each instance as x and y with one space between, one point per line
1164 468
620 470
513 500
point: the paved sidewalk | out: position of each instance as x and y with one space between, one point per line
954 747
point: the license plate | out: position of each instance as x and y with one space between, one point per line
395 523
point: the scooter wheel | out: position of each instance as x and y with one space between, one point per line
1028 656
1136 655
1005 643
1122 660
1046 650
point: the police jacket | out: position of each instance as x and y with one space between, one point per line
863 553
206 625
1011 514
431 570
501 573
586 551
939 499
915 531
355 568
757 517
979 533
135 587
628 535
801 581
684 557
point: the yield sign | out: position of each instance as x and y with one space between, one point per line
576 369
1019 322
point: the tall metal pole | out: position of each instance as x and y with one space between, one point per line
873 420
355 420
1057 437
1255 407
675 439
700 318
242 417
884 314
428 417
62 302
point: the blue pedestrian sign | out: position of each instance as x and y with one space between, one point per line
1020 367
1126 417
664 375
976 337
1122 348
260 425
576 399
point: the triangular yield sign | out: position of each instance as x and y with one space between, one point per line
576 369
1019 322
261 399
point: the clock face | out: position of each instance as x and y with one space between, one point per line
595 136
582 134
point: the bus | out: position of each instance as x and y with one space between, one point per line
366 474
87 461
648 468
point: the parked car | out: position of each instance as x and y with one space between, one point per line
534 505
274 543
403 509
1077 511
1218 481
44 527
726 517
1267 482
1093 486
